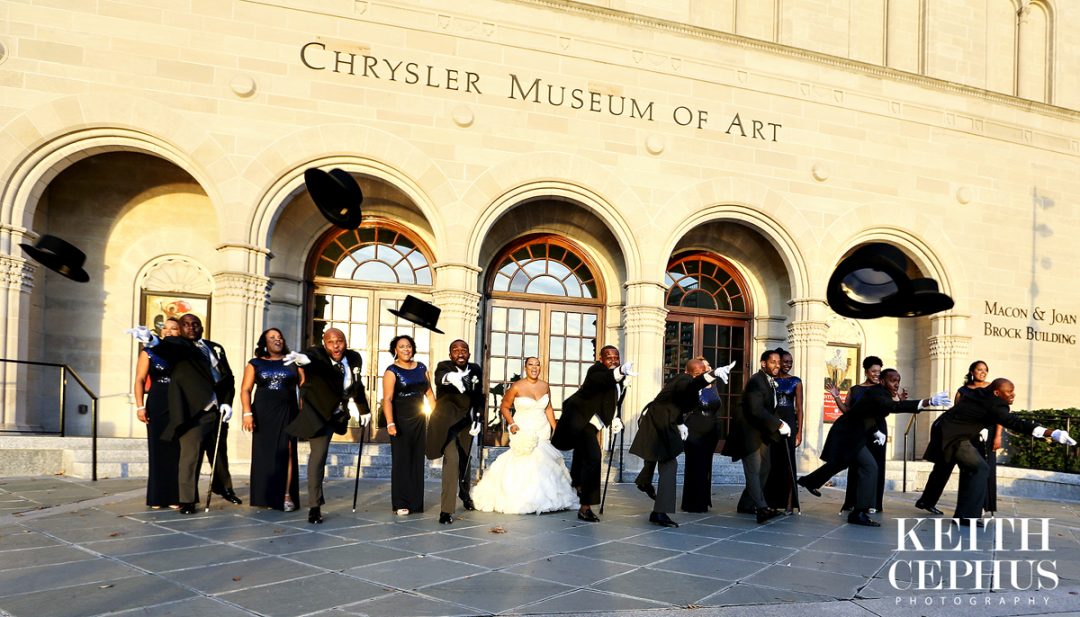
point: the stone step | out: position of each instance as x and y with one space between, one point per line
27 462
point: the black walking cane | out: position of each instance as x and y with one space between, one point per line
213 460
359 453
611 451
793 489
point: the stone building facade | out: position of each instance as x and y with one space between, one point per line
674 178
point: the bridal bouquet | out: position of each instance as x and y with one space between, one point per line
523 442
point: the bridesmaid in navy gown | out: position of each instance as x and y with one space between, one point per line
162 483
274 471
405 385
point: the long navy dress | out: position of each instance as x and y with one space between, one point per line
274 407
162 483
703 426
407 447
779 485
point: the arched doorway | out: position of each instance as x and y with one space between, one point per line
709 313
356 277
544 299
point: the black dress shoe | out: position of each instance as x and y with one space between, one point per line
648 489
314 516
230 496
659 518
858 517
445 518
931 509
813 491
187 508
588 516
467 503
764 514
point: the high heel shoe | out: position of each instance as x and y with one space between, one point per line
289 505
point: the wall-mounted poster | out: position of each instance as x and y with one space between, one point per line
157 306
841 370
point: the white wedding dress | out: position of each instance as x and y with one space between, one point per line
525 480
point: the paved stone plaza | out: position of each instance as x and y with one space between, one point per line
73 547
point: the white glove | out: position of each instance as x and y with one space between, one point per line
879 438
354 411
723 372
365 419
984 434
226 412
456 379
297 358
683 432
941 399
785 430
1062 437
475 430
616 426
143 335
628 369
597 423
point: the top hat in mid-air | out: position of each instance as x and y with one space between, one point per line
423 314
337 195
873 282
60 256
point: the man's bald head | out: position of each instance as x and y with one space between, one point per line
695 367
333 341
1003 389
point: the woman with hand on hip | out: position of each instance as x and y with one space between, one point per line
162 482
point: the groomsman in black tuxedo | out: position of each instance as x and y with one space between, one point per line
201 390
960 427
585 413
332 392
754 427
661 433
459 400
846 445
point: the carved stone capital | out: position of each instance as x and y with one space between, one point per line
950 346
17 273
242 287
465 304
808 333
642 319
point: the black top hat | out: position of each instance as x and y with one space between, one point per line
336 194
60 256
867 283
925 299
423 314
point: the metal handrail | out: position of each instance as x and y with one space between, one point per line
64 370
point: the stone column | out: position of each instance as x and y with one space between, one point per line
17 279
456 293
950 355
644 318
241 297
808 334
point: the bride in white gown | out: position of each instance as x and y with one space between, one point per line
531 476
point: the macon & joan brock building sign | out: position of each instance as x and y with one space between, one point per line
1038 319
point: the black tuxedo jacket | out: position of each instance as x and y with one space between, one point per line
324 392
976 410
854 429
755 422
596 396
658 436
451 413
191 385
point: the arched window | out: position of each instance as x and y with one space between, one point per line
709 315
544 266
377 252
544 300
699 282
